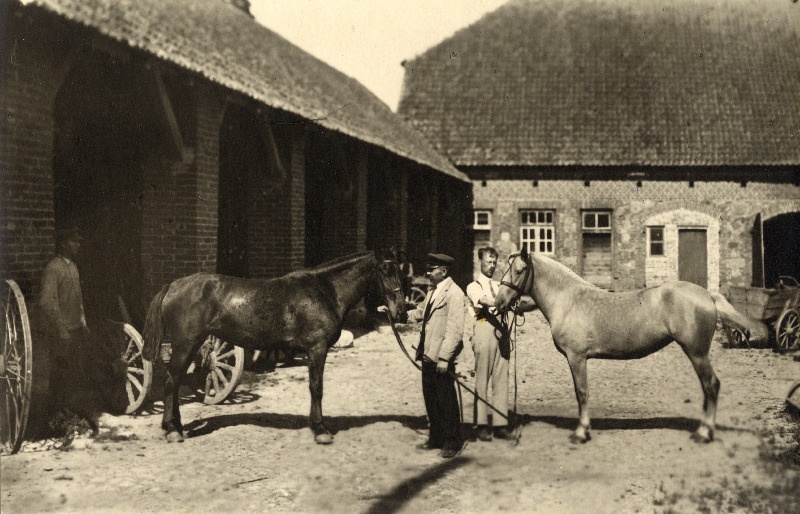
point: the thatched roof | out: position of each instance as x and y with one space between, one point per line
604 82
230 48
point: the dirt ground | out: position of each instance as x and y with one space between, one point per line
256 453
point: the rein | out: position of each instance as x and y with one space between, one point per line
456 378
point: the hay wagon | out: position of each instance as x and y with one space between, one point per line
778 306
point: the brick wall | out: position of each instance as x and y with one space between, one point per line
29 77
731 207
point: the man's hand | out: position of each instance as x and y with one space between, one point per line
441 366
382 308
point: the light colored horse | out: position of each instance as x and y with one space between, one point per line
588 322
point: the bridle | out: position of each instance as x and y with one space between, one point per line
395 291
528 275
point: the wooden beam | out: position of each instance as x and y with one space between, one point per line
167 112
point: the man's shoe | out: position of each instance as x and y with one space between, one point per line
502 433
429 445
449 453
484 434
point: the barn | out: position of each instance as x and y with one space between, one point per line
183 136
635 142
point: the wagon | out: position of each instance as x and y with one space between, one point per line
217 370
779 305
418 290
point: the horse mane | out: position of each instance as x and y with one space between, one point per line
340 262
561 269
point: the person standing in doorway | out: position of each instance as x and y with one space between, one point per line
442 317
406 273
491 346
61 302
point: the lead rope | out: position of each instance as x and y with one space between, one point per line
516 434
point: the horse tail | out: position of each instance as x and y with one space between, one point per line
754 329
154 326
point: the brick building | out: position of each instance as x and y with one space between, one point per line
183 136
636 142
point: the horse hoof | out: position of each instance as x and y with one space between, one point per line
700 438
323 438
575 439
174 437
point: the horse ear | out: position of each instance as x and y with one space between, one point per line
524 253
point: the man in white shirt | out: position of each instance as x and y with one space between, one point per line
490 345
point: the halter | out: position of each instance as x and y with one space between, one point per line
520 290
384 290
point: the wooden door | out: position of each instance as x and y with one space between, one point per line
597 259
693 256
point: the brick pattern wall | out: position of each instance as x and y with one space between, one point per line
29 84
179 204
732 206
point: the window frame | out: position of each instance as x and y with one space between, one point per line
481 226
595 214
539 229
650 241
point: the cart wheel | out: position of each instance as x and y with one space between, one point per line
16 367
739 338
223 367
140 371
786 330
417 295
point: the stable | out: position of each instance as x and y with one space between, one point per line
183 136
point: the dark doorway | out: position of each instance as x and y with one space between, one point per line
241 158
781 243
102 137
693 256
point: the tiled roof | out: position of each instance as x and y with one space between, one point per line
228 47
603 82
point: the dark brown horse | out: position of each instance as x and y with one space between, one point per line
302 310
588 322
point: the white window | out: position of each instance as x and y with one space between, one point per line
482 220
596 221
537 232
655 241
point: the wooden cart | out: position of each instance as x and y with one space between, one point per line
779 305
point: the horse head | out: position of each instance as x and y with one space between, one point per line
387 287
516 281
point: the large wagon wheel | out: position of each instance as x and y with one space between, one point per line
416 296
16 367
140 371
787 333
220 370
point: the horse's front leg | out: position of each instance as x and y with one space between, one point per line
577 365
171 421
316 368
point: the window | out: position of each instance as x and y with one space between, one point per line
655 236
482 220
597 221
537 232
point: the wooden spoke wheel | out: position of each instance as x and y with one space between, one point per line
416 296
220 371
787 330
16 367
739 338
140 371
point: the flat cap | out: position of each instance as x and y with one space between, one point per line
440 259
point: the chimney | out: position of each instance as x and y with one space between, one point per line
242 5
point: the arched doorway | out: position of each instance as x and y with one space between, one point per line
102 137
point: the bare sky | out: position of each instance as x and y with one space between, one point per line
368 39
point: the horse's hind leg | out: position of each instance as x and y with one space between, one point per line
577 364
710 384
182 354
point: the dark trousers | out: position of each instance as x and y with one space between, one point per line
441 403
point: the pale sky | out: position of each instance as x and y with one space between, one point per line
368 39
